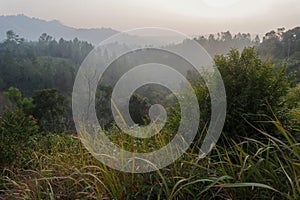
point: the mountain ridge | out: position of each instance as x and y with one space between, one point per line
31 29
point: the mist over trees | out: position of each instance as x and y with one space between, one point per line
282 46
49 63
46 63
221 43
256 156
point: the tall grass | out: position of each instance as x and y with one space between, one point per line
60 168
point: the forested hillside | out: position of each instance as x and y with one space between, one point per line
282 46
257 156
46 63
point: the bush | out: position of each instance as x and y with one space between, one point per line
50 110
254 89
293 97
15 131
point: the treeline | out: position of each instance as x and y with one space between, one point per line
256 156
51 63
46 63
221 43
282 46
256 91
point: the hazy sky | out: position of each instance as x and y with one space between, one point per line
188 16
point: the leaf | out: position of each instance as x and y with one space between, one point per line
237 185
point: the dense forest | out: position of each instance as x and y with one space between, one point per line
257 156
47 63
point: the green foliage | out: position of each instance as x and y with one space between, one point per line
50 109
103 108
138 109
282 46
203 97
48 106
15 130
221 43
59 167
11 36
51 166
47 63
55 73
74 50
293 97
292 112
15 96
253 88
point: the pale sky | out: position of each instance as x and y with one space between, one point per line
192 17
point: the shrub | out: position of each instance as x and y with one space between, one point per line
15 131
254 89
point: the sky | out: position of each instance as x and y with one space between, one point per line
192 17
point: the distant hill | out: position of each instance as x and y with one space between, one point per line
32 28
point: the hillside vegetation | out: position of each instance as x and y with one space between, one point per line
257 156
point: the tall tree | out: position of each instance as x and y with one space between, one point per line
50 109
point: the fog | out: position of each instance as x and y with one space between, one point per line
190 17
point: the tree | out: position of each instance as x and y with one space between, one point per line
50 109
253 88
45 38
11 36
103 105
226 36
256 40
15 97
138 109
222 42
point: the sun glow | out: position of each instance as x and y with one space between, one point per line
220 3
200 8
